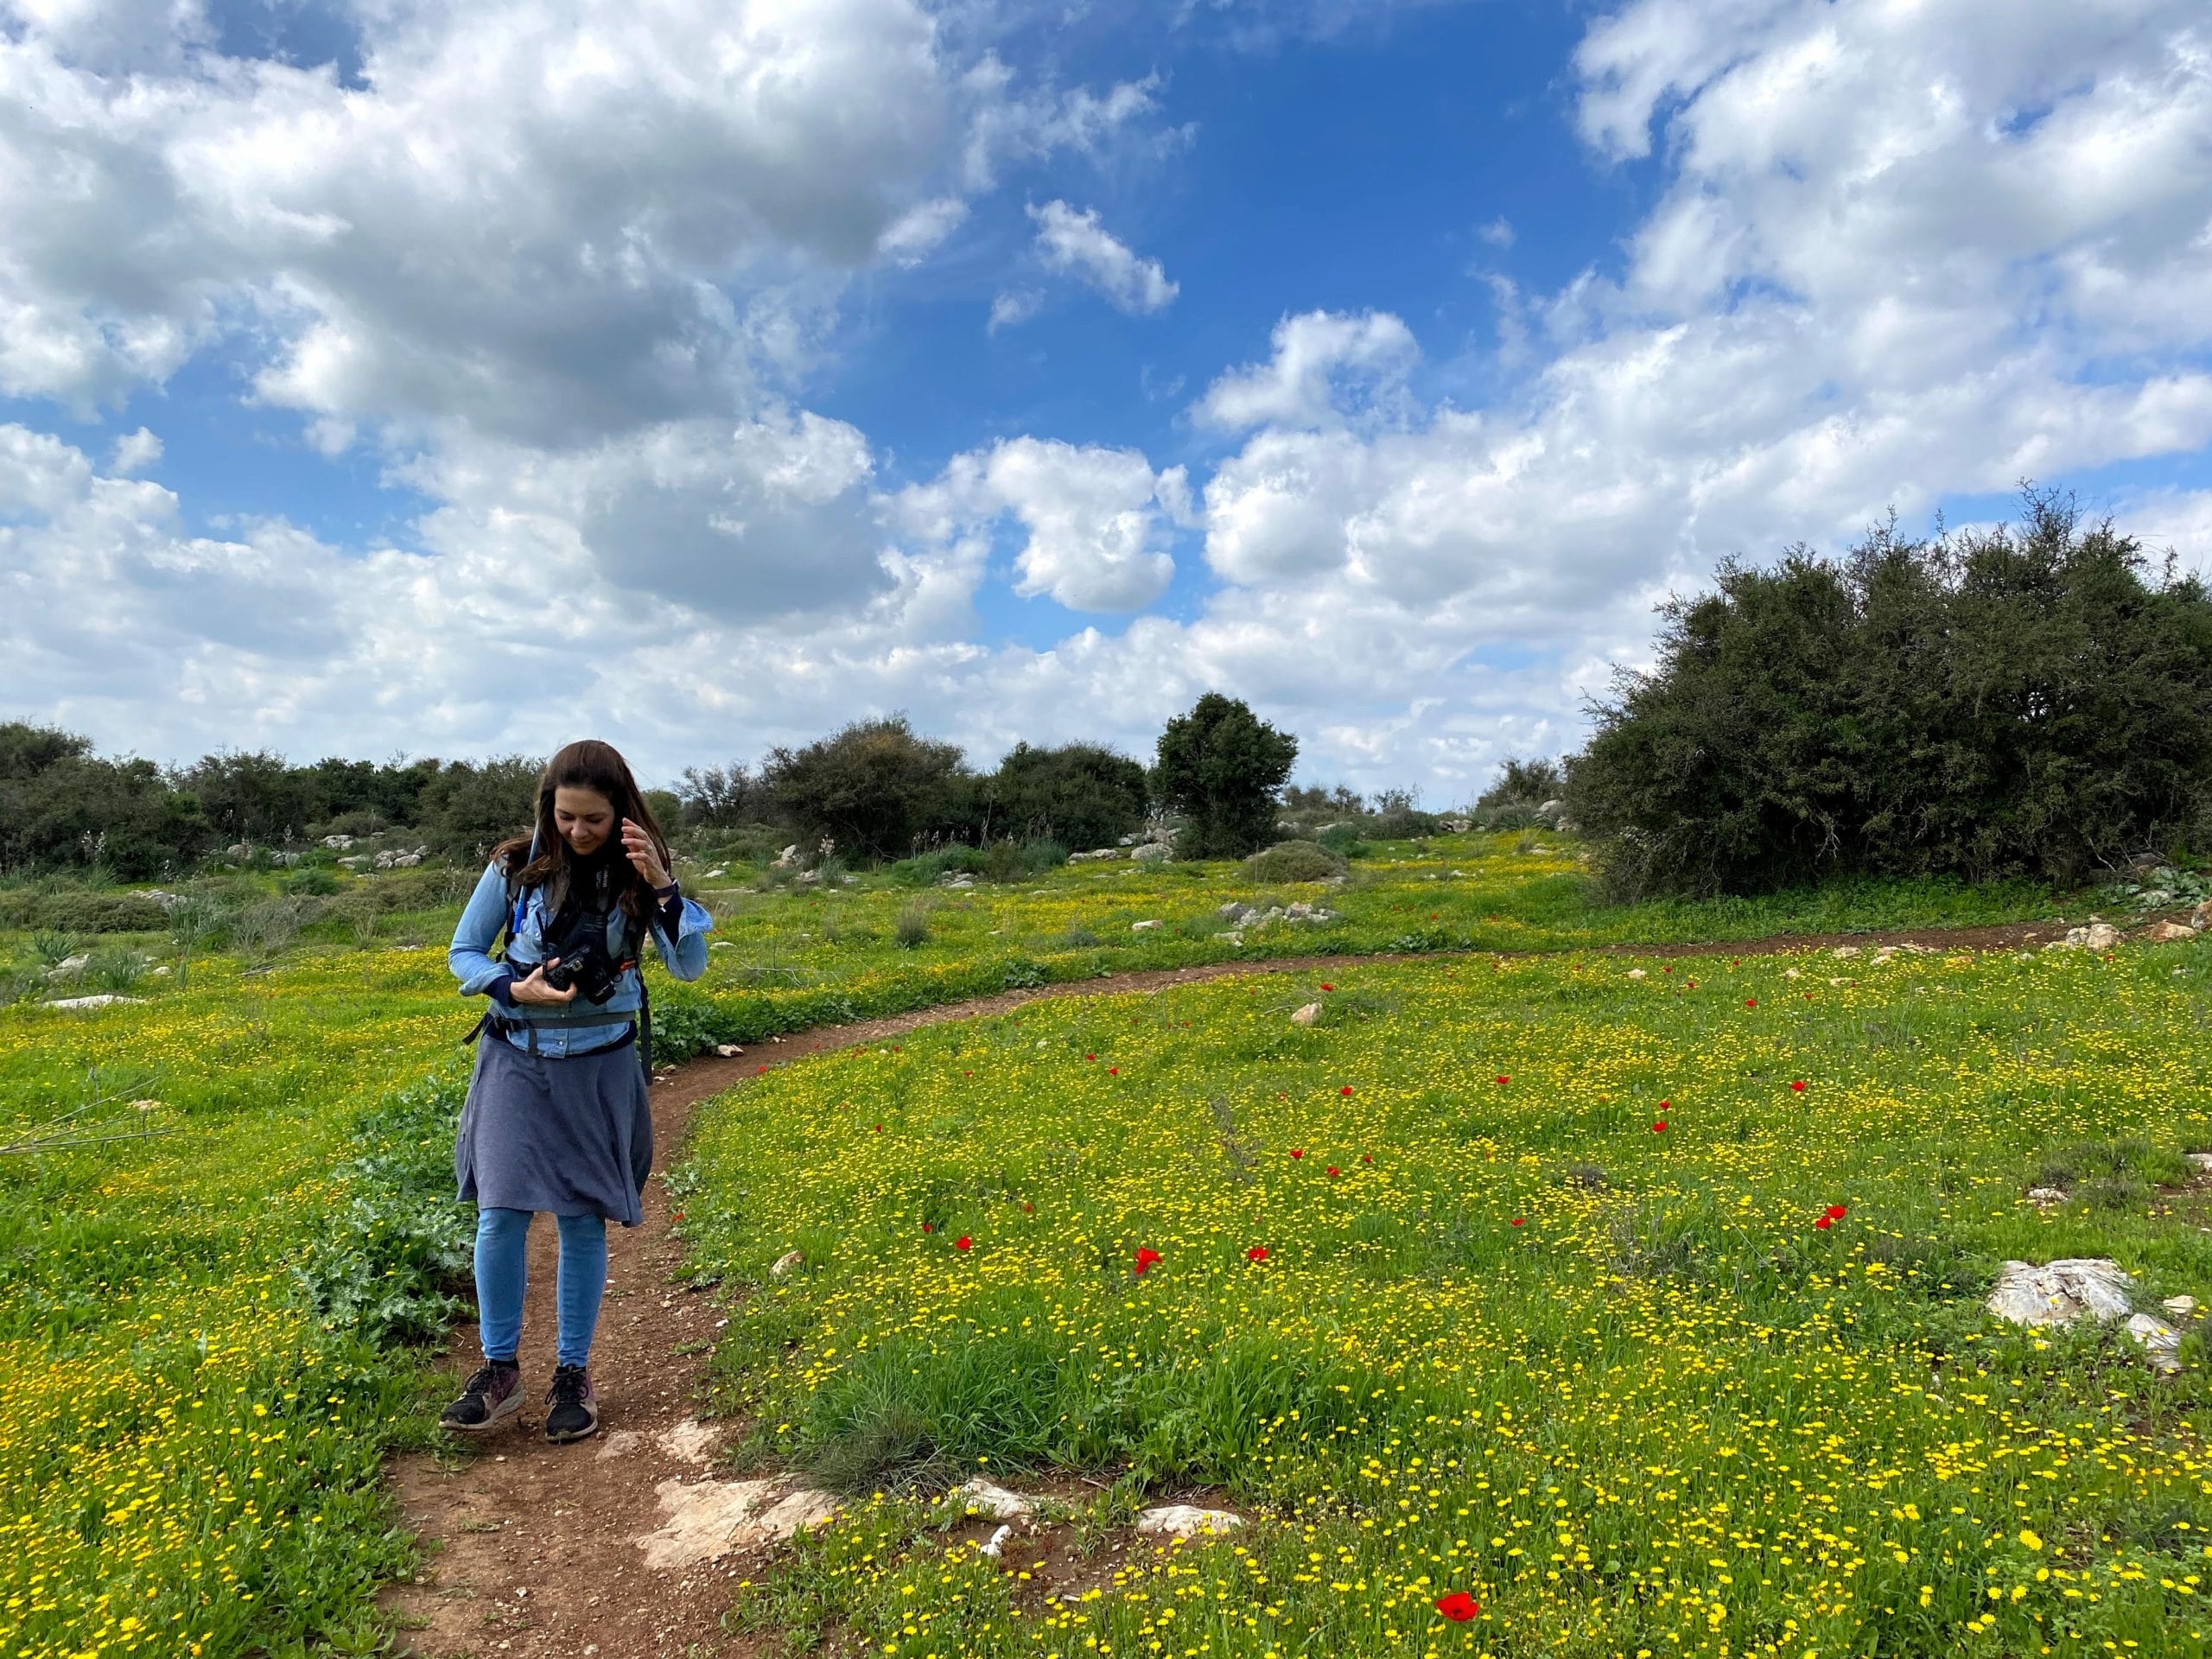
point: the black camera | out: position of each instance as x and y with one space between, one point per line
588 969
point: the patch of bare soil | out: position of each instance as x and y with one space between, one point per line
540 1550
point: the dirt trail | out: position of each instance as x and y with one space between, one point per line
534 1547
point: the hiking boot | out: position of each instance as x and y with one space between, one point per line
491 1397
571 1407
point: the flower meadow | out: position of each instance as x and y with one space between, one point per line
1523 1306
210 1334
196 1386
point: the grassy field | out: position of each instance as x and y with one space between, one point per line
1546 1313
202 1328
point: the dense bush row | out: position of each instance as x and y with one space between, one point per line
876 790
2031 702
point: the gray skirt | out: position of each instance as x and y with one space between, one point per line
572 1137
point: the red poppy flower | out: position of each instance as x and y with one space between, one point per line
1660 1127
1837 1212
1090 1057
1666 1105
1502 1081
1520 1221
1824 1223
927 1228
1797 1086
1257 1253
1027 1208
678 1216
1459 1606
961 1243
762 1072
1145 1257
1365 1159
879 1128
1297 1152
1334 1171
1112 1070
1345 1089
1693 984
1328 988
1432 915
1750 1001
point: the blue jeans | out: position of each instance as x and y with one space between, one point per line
503 1274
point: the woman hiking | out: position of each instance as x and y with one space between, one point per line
556 1117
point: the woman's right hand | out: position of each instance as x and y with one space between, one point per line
534 989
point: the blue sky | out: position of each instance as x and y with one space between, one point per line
745 369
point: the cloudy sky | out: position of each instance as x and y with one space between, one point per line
383 376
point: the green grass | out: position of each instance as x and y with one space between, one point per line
1616 1384
210 1318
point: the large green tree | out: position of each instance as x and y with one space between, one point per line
1079 794
875 787
62 806
1224 768
2024 700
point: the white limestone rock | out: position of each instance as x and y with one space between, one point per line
706 1520
1185 1521
2160 1342
997 1502
2062 1292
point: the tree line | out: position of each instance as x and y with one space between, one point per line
2030 699
876 789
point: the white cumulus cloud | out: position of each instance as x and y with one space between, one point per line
1094 517
1325 366
1077 243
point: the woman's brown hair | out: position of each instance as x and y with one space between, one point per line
588 764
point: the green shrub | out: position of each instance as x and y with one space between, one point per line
116 968
1080 794
874 787
2028 702
1294 860
1221 765
316 881
53 948
76 910
912 930
1343 839
264 930
743 843
1397 817
926 869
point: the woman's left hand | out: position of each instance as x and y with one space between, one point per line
643 855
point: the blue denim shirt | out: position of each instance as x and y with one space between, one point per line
470 958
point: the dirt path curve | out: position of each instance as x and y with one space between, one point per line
536 1550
